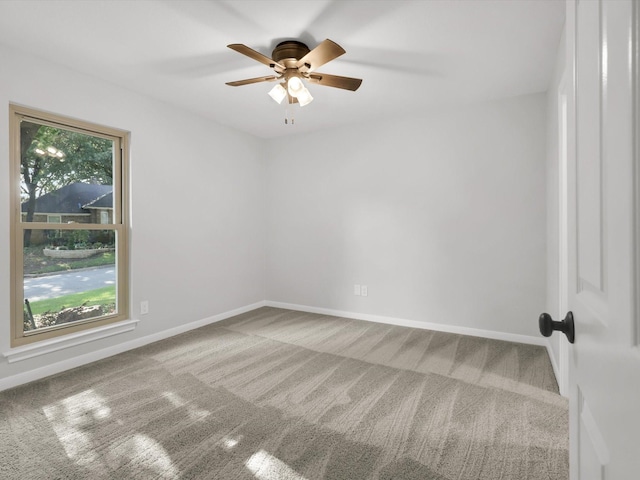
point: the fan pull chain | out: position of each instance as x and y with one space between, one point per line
286 115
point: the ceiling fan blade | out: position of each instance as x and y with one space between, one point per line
323 53
248 81
251 53
337 81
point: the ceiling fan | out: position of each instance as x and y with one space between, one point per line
293 62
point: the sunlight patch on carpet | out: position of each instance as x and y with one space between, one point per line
178 402
265 466
229 443
78 421
72 418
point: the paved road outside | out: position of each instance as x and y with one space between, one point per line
64 283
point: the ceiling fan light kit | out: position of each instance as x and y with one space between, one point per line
304 98
278 93
293 62
294 86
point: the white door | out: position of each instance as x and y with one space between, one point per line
604 362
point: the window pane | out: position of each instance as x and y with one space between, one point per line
65 176
69 275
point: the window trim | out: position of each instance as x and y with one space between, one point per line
120 224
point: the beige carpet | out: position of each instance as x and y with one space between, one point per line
276 394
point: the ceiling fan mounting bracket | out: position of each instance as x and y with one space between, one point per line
289 52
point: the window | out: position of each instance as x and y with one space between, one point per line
69 262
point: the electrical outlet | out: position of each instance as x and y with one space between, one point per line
356 289
364 291
144 307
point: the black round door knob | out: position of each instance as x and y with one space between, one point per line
566 326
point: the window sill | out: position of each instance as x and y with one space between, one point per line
53 345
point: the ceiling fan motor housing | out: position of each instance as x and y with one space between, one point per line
289 52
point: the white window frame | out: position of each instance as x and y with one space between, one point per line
120 225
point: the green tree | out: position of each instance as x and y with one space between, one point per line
52 157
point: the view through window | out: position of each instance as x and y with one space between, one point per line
69 238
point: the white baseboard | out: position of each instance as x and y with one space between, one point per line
475 332
42 372
554 364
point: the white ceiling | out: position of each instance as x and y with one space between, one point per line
411 55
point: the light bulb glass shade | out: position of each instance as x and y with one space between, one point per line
278 93
295 86
304 97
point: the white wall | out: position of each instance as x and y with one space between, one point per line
196 200
553 197
441 215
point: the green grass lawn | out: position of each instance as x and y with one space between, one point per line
100 296
36 263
